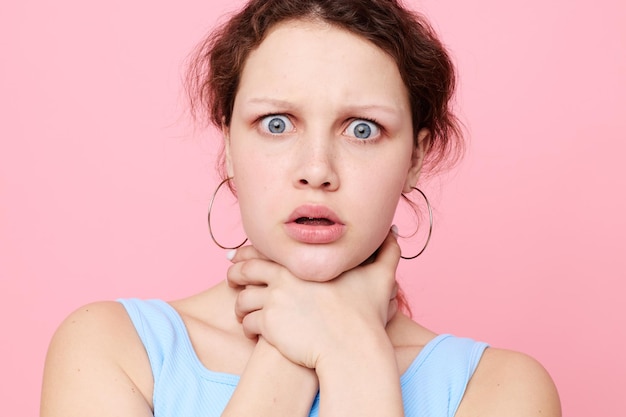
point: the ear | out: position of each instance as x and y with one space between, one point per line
227 159
423 139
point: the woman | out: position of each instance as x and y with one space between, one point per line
330 111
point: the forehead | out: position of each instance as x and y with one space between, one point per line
313 57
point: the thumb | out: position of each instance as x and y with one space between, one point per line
389 252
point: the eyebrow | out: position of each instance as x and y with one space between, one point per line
268 100
391 110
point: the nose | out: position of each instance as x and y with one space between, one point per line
316 164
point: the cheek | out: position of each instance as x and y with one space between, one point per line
382 201
382 219
258 203
376 206
384 188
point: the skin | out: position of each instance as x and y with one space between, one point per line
317 160
252 323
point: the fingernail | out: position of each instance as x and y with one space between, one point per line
394 230
231 254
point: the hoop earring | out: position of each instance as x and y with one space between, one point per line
209 218
430 228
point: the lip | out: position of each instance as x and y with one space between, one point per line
316 233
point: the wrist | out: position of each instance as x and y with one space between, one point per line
272 385
271 357
365 377
371 347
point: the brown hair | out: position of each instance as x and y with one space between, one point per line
423 63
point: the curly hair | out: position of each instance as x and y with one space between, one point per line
424 64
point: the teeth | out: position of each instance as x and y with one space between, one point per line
314 221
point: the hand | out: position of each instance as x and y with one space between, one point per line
306 320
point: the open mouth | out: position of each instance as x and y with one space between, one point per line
314 221
314 224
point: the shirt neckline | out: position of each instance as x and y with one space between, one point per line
233 379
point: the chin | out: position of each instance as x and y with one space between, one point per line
321 263
316 276
318 270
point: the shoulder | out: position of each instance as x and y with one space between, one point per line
97 329
512 384
90 319
95 354
505 383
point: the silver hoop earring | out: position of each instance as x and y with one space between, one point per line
209 218
430 228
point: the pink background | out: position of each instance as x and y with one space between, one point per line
104 185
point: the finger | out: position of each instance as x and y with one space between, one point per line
394 291
251 324
392 309
251 299
252 272
386 263
244 253
389 252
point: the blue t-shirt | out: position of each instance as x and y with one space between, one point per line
432 386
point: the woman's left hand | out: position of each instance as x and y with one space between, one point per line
307 321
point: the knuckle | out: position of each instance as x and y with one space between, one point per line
247 268
232 273
248 324
241 299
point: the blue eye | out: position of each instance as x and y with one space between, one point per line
362 129
276 124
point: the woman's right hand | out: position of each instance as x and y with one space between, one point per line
308 321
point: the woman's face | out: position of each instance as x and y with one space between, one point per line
320 147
